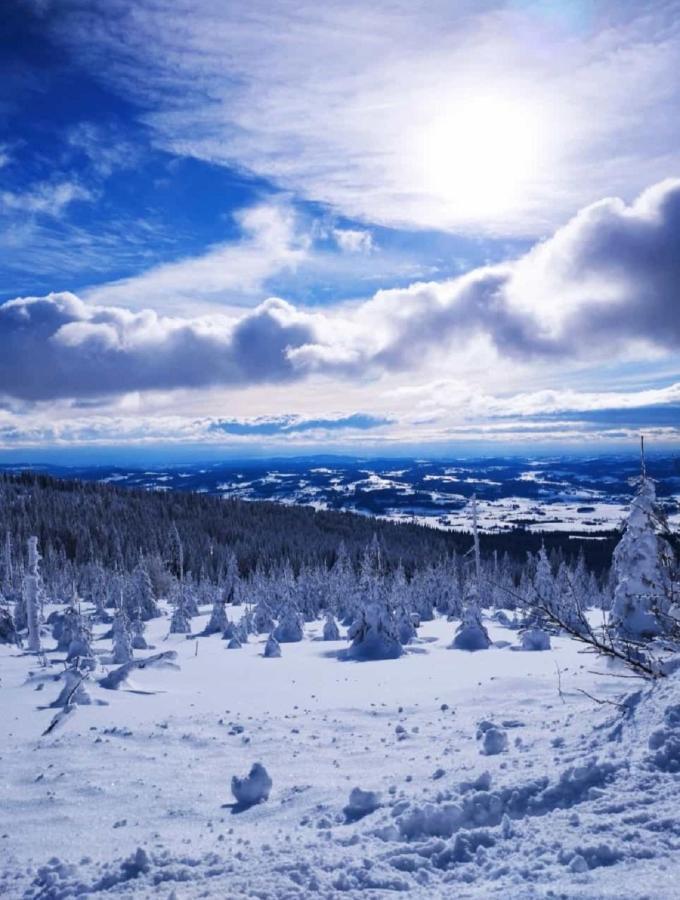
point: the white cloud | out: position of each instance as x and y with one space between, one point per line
272 243
46 198
627 259
495 116
353 240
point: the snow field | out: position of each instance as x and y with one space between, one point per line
134 799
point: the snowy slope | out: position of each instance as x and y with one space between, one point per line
577 806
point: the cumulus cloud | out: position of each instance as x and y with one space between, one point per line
605 282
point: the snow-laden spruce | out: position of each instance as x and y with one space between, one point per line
290 627
272 649
641 560
122 639
32 596
331 632
375 632
471 634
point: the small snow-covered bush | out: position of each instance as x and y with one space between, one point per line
289 630
254 788
272 649
331 632
535 639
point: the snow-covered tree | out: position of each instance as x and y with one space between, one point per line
290 627
218 620
31 596
137 629
374 633
641 559
272 648
80 634
180 622
122 639
8 631
471 633
331 632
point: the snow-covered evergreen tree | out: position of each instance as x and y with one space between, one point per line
331 632
31 596
272 648
291 625
8 631
471 634
640 607
122 639
180 622
374 634
138 639
218 621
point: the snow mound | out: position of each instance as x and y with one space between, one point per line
471 637
254 788
535 639
361 803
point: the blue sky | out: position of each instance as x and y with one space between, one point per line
365 227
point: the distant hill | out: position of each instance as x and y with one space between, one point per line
86 521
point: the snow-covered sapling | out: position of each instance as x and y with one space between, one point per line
471 633
290 627
272 648
122 639
331 632
31 595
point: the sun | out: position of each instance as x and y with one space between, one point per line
480 156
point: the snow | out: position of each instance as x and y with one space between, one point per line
133 798
254 788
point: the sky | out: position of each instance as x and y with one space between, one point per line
290 227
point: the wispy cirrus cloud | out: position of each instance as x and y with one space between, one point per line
272 242
455 116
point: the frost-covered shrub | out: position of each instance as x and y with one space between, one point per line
272 649
331 632
8 633
122 639
254 788
218 620
290 627
137 629
471 634
374 634
535 639
262 620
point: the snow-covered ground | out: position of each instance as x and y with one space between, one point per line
133 798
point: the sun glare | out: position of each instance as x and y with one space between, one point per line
480 156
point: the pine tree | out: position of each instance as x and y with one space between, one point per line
122 640
31 594
641 560
374 634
